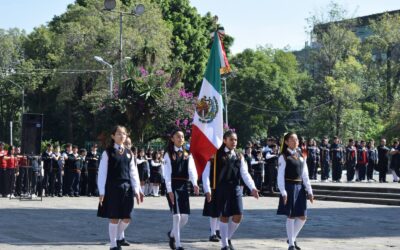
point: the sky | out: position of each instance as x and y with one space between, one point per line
276 23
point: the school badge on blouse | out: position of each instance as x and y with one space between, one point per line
207 109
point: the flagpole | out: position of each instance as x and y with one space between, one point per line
226 102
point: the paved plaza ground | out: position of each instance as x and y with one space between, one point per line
71 223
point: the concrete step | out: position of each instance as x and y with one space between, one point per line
378 201
357 194
357 188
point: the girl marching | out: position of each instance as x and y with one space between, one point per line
118 184
294 184
179 168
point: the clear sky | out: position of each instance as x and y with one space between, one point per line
278 23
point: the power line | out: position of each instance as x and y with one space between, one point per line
280 111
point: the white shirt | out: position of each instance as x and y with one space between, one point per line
243 172
281 174
168 171
103 169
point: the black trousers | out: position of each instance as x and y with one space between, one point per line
312 169
92 182
350 167
2 182
383 168
325 171
10 181
83 183
362 170
23 180
270 177
370 170
58 179
336 170
48 181
36 183
74 183
258 180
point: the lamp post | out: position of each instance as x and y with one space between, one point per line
109 5
111 77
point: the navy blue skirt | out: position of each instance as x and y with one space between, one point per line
155 177
118 201
296 205
229 200
181 195
210 208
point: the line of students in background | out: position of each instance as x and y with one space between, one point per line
359 158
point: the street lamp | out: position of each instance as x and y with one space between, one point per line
111 77
109 5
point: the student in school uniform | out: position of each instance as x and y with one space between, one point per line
272 168
48 180
337 157
229 169
351 160
312 159
257 164
372 160
395 160
325 159
295 188
11 172
179 169
118 184
383 160
74 169
93 170
210 208
143 169
68 156
84 178
58 171
3 165
362 161
156 173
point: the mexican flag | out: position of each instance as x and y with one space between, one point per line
207 126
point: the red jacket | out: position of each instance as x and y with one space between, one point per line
12 162
3 162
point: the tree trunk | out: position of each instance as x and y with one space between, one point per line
389 94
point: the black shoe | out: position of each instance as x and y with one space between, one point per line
115 248
171 241
225 248
295 245
218 234
214 238
180 248
291 248
123 242
230 245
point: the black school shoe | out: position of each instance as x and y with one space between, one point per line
115 248
180 248
230 245
291 248
218 234
225 248
123 243
295 245
171 241
214 238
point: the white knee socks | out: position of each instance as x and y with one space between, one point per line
112 232
184 220
176 220
298 225
121 229
290 231
223 227
232 227
155 190
213 226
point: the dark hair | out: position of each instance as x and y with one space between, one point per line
154 156
227 134
75 146
170 145
351 140
82 150
10 149
48 145
68 145
285 152
94 145
113 131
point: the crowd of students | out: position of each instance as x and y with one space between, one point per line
73 172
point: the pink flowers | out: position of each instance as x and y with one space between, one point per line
184 94
143 71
